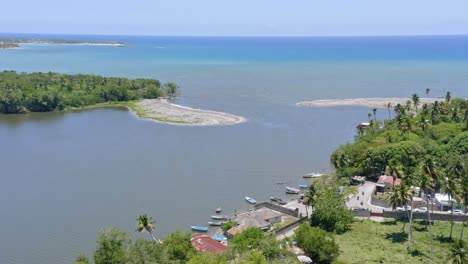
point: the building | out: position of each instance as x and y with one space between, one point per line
261 218
204 243
443 202
386 183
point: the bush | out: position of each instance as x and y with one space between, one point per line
318 244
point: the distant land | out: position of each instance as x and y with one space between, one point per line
11 43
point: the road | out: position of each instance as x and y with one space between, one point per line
355 200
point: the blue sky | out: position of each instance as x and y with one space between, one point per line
236 17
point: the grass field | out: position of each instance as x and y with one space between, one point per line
373 242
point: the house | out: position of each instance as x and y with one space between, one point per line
358 180
443 202
261 218
386 183
204 243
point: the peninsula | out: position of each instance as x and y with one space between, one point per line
11 43
370 102
147 98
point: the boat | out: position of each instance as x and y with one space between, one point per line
250 200
312 175
218 210
219 217
199 228
220 223
219 238
303 186
277 200
291 190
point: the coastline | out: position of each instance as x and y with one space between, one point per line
162 111
369 102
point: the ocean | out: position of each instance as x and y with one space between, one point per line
67 175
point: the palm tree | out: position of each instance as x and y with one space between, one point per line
450 187
146 223
448 97
389 105
424 123
369 116
457 253
408 105
416 101
374 111
310 198
428 91
400 196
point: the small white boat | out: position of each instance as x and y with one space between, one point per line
313 175
220 223
219 217
250 200
291 190
303 186
218 210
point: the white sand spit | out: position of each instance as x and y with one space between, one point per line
370 102
161 110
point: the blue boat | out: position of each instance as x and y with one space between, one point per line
304 186
250 200
219 238
199 228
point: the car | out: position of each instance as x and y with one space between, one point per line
420 210
402 209
456 212
358 209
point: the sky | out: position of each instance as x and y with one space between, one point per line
236 17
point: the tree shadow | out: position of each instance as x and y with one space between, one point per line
389 223
443 239
419 228
416 253
397 237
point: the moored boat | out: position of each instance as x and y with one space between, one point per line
219 223
218 210
250 200
291 190
219 238
219 217
277 200
303 186
312 175
199 228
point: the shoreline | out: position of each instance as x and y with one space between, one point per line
368 102
162 111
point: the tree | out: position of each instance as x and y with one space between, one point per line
112 244
428 91
146 252
82 259
450 187
146 224
178 246
448 97
248 239
375 111
416 101
458 253
389 106
330 212
309 198
318 244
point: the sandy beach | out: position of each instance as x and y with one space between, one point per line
161 110
370 102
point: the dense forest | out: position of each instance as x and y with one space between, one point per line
429 140
44 92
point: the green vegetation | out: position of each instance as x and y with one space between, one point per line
318 244
44 92
373 242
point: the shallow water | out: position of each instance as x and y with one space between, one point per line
67 175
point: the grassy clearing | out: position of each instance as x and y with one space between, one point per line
372 242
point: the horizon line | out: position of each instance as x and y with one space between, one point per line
241 36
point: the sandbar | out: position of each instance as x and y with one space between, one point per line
369 102
161 110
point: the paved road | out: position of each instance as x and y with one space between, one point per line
355 200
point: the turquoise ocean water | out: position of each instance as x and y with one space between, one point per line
66 175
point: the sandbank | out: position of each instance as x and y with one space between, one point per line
369 102
161 110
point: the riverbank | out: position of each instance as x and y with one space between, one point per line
369 102
160 110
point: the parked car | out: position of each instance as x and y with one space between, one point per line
456 212
358 209
420 210
402 209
